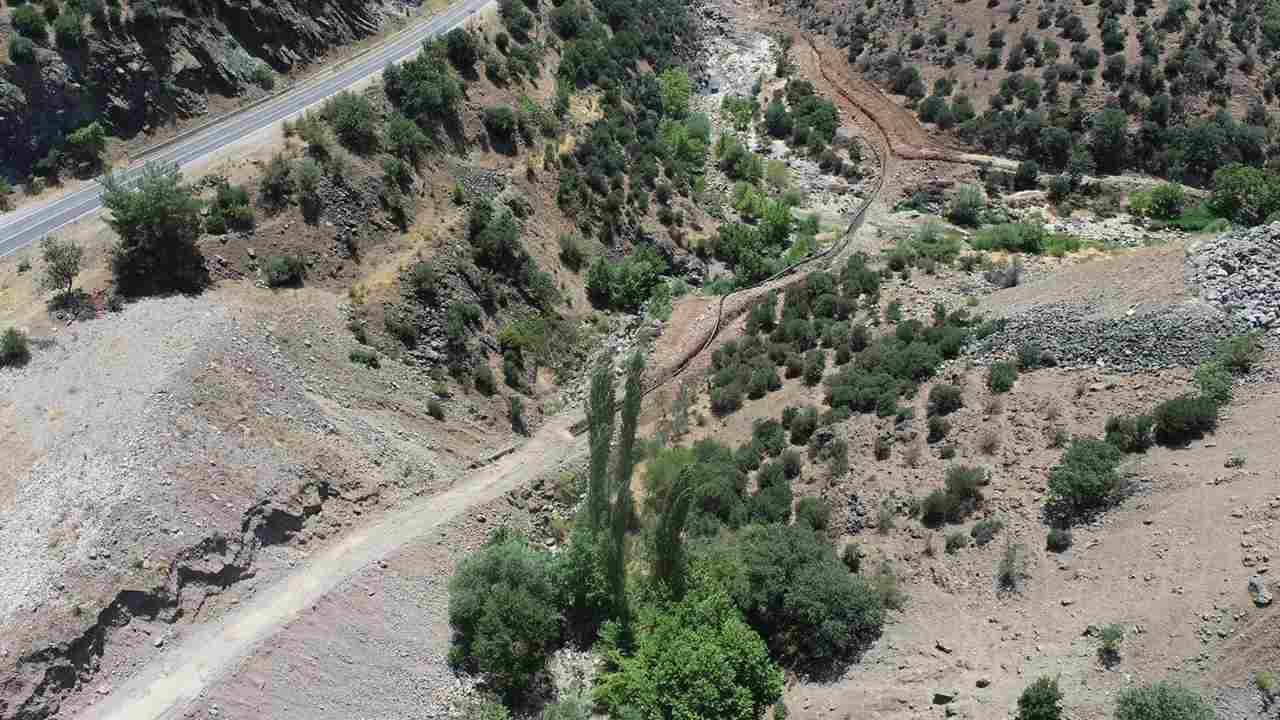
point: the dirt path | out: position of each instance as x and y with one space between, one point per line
163 688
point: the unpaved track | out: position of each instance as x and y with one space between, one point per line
165 686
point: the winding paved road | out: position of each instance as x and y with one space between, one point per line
27 225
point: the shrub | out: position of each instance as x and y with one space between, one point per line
1001 376
1030 356
158 221
503 611
1012 568
571 252
354 121
1214 382
22 51
68 29
938 428
29 22
516 415
1168 201
282 270
1182 419
501 122
723 671
984 531
851 556
945 399
1028 175
1162 701
1058 540
13 348
1109 639
364 356
813 512
1086 478
967 207
791 463
770 436
1130 434
484 380
989 441
435 409
956 541
794 591
1041 700
1240 353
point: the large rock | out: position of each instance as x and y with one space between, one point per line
1259 592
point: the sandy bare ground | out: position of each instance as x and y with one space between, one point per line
165 685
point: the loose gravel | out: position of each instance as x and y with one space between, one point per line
1239 271
1077 335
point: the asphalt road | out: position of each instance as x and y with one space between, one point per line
29 224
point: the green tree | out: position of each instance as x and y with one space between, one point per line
29 22
405 139
1244 194
503 611
624 466
1041 700
676 90
1110 139
967 206
14 350
1162 701
669 555
425 88
354 121
694 660
158 222
61 264
600 414
21 50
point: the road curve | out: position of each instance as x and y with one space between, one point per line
27 225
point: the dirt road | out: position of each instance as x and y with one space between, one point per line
164 687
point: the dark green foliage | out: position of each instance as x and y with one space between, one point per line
1240 353
938 428
1130 434
435 409
600 418
956 541
277 184
770 436
1162 701
14 350
984 531
354 121
401 329
1086 478
230 210
669 554
693 659
1058 540
424 280
504 613
364 356
22 51
803 425
1001 376
426 88
158 221
772 502
29 22
516 415
945 399
625 285
571 252
815 513
1182 419
794 591
284 270
500 121
485 383
1215 382
1041 700
461 48
791 464
961 495
405 139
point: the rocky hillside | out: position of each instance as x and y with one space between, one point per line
78 61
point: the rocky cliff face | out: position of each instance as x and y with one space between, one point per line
151 67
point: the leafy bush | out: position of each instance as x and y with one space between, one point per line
695 658
1182 419
984 531
1162 701
13 348
29 22
282 270
503 611
956 541
961 496
813 512
1058 540
1214 382
1130 434
1041 700
1028 236
1244 195
22 51
354 121
1240 353
938 428
945 399
501 122
364 356
571 252
795 592
158 221
1086 478
484 380
435 409
1012 569
966 208
1001 376
68 29
628 284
